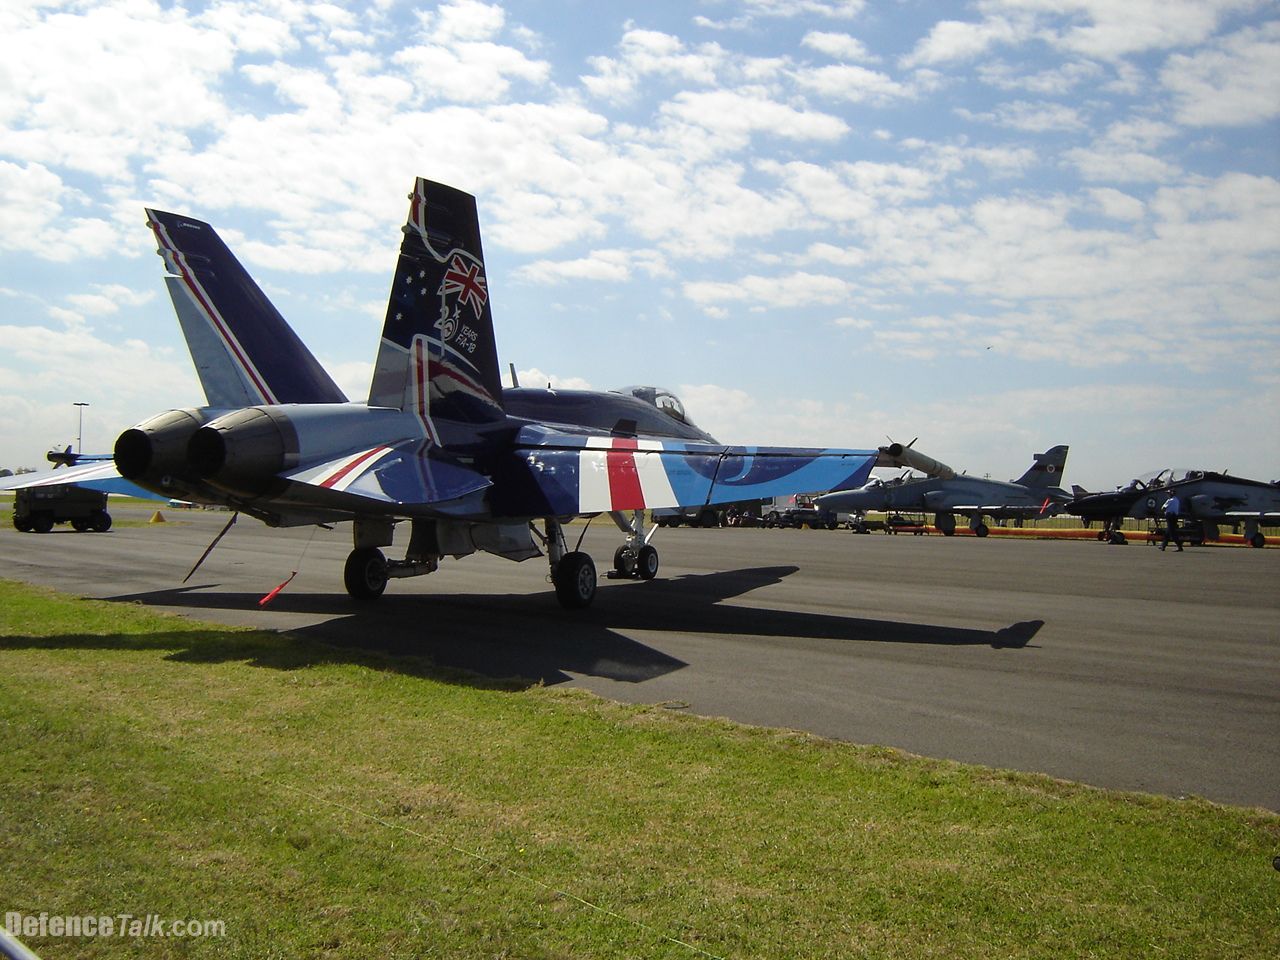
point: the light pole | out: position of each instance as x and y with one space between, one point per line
80 432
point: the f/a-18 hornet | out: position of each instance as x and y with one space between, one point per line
439 444
1207 498
944 493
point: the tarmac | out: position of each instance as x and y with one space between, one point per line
1118 666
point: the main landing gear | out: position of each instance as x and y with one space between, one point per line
574 573
635 559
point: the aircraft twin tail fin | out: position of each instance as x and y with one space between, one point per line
438 356
1047 469
244 351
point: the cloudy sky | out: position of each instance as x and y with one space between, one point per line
996 225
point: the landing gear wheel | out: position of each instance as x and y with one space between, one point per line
1103 536
1118 538
42 522
365 574
1258 540
21 524
100 521
575 580
981 530
647 563
80 524
624 563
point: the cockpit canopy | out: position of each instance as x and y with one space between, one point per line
660 397
1162 478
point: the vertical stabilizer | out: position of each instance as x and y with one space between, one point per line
244 352
438 356
1047 470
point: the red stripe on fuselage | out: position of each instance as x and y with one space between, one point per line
624 479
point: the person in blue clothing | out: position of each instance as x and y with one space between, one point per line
1172 507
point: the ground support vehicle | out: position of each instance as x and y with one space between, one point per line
37 509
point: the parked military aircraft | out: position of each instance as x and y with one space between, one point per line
439 443
1207 498
944 493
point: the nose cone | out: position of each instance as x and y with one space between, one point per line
844 500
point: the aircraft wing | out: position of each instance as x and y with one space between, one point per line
573 474
100 475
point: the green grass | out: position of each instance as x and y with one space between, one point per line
325 804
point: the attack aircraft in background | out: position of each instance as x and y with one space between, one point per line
1208 499
944 493
439 444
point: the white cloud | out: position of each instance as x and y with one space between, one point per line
1233 83
1117 205
841 46
644 54
471 71
798 289
615 266
533 377
108 299
852 83
951 40
1039 117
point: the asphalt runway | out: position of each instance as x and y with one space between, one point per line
1118 666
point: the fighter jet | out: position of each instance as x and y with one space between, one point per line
1208 499
438 444
944 493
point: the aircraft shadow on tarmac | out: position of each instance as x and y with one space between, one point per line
530 637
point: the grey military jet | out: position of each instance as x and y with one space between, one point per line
1208 499
944 493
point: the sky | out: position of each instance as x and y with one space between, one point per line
995 226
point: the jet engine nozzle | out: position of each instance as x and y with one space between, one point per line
903 456
242 451
154 453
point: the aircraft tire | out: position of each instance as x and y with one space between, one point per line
1258 540
647 563
100 521
365 574
575 580
41 522
981 530
81 524
1118 538
21 524
624 565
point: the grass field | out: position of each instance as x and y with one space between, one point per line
329 804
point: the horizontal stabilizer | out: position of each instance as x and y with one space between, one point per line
405 476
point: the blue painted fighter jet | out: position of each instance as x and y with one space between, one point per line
439 445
